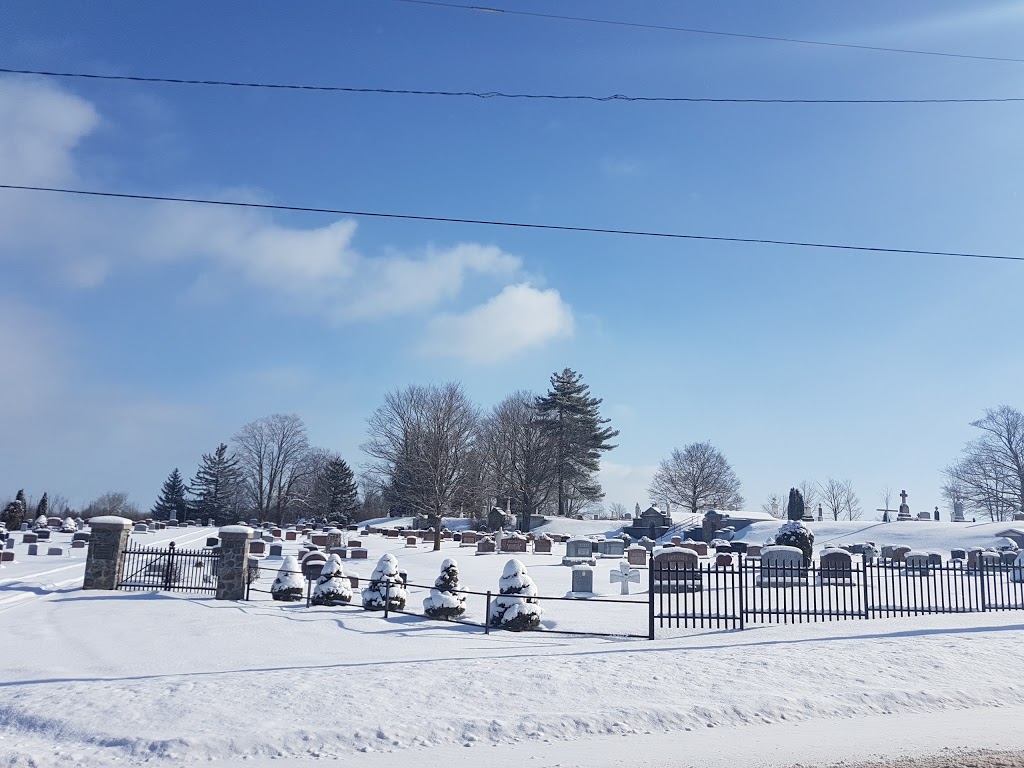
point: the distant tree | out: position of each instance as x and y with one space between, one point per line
795 508
990 472
112 503
217 487
617 510
172 503
421 442
772 505
273 456
697 478
14 515
43 508
886 496
519 460
24 502
840 499
335 494
572 420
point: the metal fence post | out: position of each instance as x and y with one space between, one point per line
169 568
865 565
981 578
387 595
741 564
487 615
650 600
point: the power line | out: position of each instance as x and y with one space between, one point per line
715 32
514 224
501 94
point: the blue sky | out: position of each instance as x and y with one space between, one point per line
137 336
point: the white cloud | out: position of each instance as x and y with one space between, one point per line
521 317
627 483
85 240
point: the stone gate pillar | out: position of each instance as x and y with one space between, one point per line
234 562
104 560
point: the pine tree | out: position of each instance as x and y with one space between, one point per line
44 506
385 587
516 606
172 503
337 495
14 515
216 486
332 586
445 600
289 583
573 420
795 507
23 501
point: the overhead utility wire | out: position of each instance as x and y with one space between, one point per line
501 94
515 224
719 33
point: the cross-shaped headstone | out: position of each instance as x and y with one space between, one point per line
903 496
624 575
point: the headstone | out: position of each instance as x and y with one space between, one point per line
676 570
257 547
899 554
7 556
290 535
358 553
24 526
1008 556
212 541
542 545
958 512
578 551
33 549
469 539
782 566
697 546
677 540
636 554
313 564
904 513
277 533
582 579
647 543
411 541
320 539
275 550
934 559
9 544
513 543
623 575
54 522
57 551
43 535
753 550
739 546
29 538
723 560
887 551
1017 571
611 548
836 567
355 543
485 546
141 528
78 544
922 515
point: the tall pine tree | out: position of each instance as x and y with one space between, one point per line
336 493
217 486
44 505
795 507
172 503
572 418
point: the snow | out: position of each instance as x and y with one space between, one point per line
173 680
124 522
243 529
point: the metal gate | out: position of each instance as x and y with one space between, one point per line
170 569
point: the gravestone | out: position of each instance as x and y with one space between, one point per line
782 566
355 543
636 555
275 550
611 548
739 546
55 551
469 539
582 580
212 541
542 545
29 538
513 543
904 513
290 535
54 522
411 541
753 550
723 560
836 567
141 528
958 512
313 564
33 549
578 551
925 515
1017 572
320 539
899 554
1008 556
677 540
934 559
277 533
624 575
358 553
676 570
647 543
341 552
257 547
78 544
9 544
43 535
485 546
7 556
700 547
334 536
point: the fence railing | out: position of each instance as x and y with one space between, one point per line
170 569
749 591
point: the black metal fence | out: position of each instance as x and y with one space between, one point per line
749 591
169 569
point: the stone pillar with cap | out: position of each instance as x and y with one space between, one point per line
234 562
104 560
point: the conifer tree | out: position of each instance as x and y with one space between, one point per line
516 606
445 600
335 491
44 505
795 507
172 503
217 486
14 515
20 498
572 418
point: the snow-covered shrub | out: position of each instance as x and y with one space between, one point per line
445 601
289 584
41 523
68 526
332 587
795 534
516 607
385 586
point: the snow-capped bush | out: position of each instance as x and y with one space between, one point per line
332 586
385 586
795 534
68 526
40 523
289 584
445 601
516 607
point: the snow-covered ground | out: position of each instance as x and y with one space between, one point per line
93 678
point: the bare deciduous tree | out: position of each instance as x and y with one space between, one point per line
273 455
886 496
989 476
112 503
697 478
421 442
519 456
840 500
